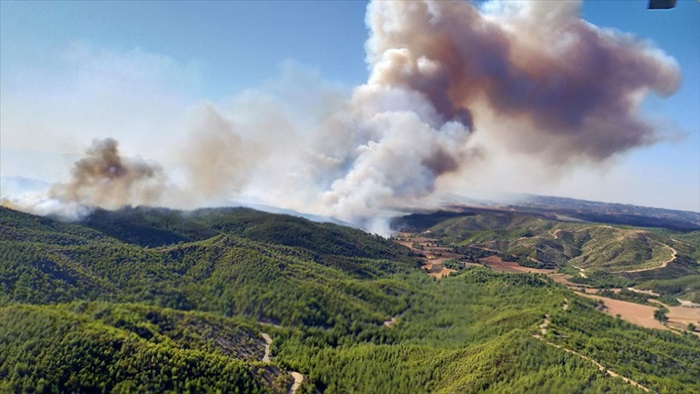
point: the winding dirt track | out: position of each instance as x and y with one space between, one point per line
268 342
600 366
298 378
581 270
674 254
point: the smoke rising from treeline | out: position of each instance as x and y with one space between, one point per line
450 85
103 178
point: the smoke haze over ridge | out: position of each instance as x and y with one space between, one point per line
452 88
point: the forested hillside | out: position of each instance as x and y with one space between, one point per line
89 347
143 300
230 273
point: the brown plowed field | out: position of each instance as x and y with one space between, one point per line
497 264
641 315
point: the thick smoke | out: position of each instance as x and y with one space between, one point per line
103 178
568 91
450 85
563 80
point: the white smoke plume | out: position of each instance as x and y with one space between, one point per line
451 84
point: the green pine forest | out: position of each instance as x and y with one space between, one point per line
156 300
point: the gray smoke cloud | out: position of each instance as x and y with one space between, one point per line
450 84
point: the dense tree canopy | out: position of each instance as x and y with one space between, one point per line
145 300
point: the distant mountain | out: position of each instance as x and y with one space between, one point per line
616 213
291 212
569 209
559 208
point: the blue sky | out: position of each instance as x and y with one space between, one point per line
181 53
235 45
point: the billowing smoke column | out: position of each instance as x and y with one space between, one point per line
103 178
569 91
450 84
560 78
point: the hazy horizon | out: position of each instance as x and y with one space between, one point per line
338 109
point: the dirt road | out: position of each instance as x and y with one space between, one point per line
298 378
581 271
268 342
